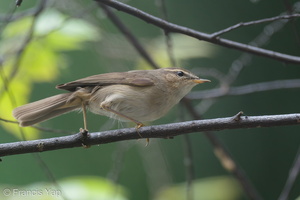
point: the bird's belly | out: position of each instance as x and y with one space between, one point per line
132 104
130 109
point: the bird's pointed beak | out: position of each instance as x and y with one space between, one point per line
200 80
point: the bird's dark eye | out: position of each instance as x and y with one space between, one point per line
180 73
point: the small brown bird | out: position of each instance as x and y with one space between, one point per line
137 96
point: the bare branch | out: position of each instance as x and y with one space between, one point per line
232 166
159 131
188 160
293 174
23 46
241 24
189 167
170 27
40 128
130 37
225 157
17 16
246 89
6 18
168 39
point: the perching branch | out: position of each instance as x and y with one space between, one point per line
159 131
170 27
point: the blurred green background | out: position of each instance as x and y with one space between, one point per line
74 39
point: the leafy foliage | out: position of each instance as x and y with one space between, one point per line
41 60
214 188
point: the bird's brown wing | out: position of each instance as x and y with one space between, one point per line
122 78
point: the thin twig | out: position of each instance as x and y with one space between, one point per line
168 39
130 37
118 162
9 121
230 165
7 18
159 131
189 166
259 41
290 9
24 44
17 16
51 130
242 24
170 27
293 174
28 38
49 174
246 89
188 153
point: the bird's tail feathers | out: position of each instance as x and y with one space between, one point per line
45 109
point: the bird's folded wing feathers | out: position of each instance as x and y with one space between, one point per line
123 78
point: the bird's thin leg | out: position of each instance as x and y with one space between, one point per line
138 123
107 108
84 116
84 132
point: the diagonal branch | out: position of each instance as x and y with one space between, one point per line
170 27
225 157
130 37
159 131
293 174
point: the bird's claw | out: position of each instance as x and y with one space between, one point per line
84 134
137 127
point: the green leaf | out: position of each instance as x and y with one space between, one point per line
216 188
